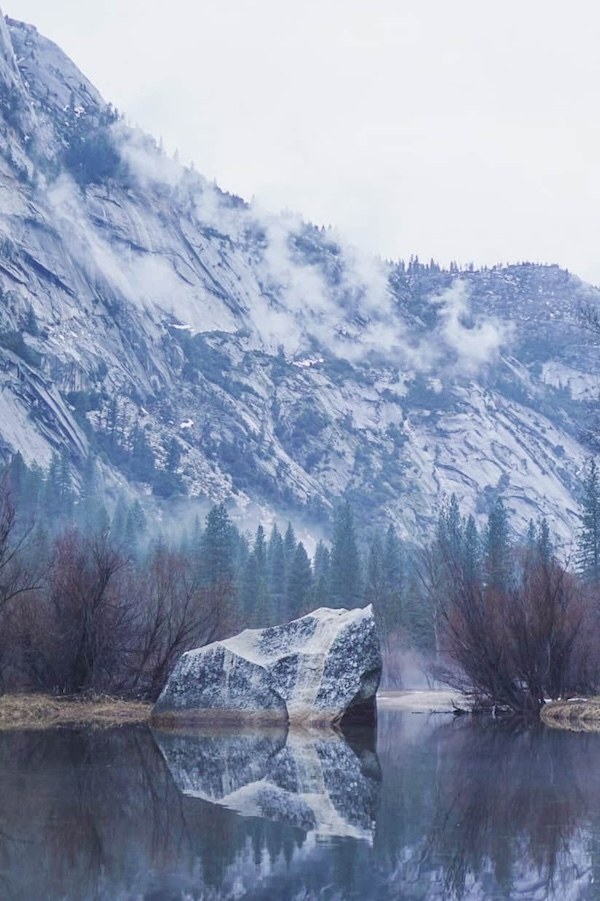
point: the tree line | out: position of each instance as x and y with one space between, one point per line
92 601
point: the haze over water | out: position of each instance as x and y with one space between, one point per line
444 809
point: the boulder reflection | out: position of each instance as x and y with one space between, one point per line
315 781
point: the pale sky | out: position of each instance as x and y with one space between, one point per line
458 129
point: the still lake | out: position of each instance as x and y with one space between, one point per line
436 808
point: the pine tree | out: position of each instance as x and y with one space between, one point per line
544 541
135 527
588 545
450 532
31 324
375 577
216 548
277 572
142 458
173 456
497 548
33 489
112 422
255 596
168 481
300 582
472 552
531 536
102 520
250 591
393 582
215 568
195 549
346 577
419 617
322 576
118 523
52 498
64 485
16 474
289 545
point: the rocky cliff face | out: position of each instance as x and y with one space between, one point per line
204 348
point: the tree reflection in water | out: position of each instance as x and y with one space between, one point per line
503 811
463 808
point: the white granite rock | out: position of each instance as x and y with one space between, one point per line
324 667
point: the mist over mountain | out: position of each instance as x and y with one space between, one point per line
201 347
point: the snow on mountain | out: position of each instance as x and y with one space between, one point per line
254 356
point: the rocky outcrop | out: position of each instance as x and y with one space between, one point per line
319 783
324 667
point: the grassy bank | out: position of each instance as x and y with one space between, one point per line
576 714
36 711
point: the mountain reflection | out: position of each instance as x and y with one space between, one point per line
458 809
316 781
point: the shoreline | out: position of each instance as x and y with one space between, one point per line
422 700
41 711
38 711
574 714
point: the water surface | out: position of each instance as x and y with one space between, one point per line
440 808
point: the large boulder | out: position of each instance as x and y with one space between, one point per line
324 667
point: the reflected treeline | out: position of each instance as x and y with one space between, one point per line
80 812
509 806
495 811
462 808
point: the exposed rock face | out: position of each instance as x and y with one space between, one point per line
135 294
323 667
319 783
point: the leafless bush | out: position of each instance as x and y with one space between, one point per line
21 573
173 615
86 619
518 647
100 623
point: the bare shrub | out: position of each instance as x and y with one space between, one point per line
87 620
520 646
173 614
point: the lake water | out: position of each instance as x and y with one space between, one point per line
440 808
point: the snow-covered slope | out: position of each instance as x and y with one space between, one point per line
205 347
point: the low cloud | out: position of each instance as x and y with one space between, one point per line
473 340
294 286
